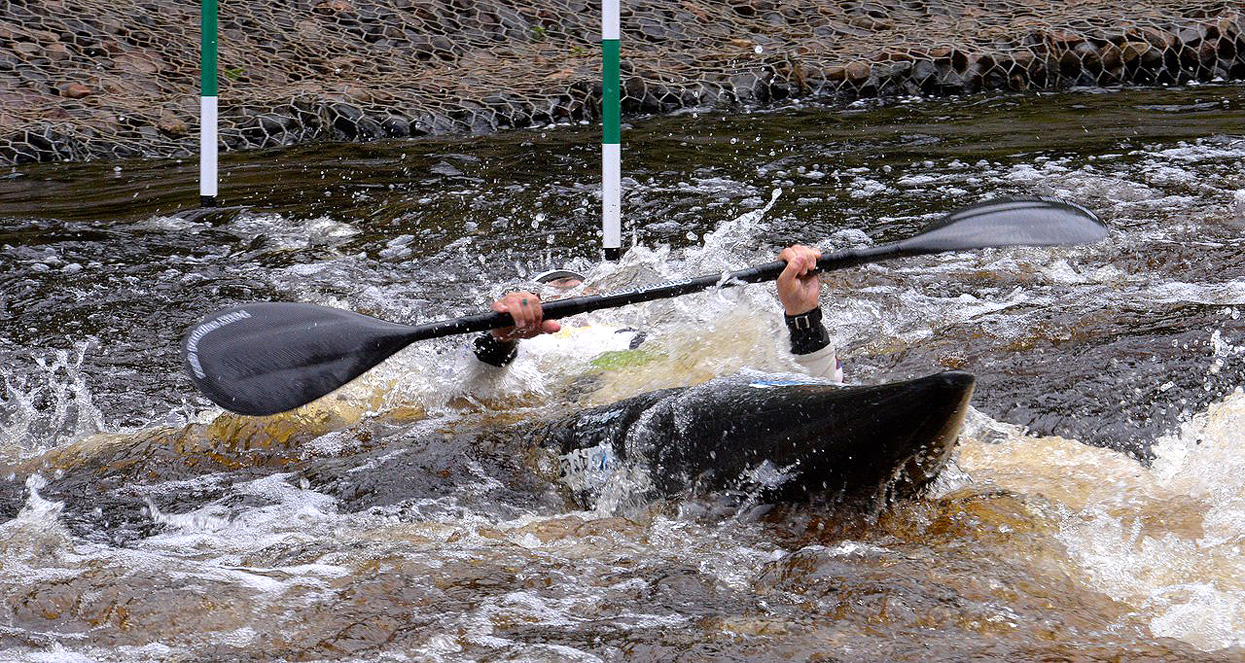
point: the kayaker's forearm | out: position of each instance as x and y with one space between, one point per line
823 363
808 334
810 343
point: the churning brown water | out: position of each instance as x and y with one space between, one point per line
1095 509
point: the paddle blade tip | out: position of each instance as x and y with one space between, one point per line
270 357
1011 221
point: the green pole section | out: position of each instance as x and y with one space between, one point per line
611 92
208 55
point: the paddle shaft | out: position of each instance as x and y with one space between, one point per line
563 308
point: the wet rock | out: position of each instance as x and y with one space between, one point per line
57 52
1131 50
751 87
923 69
1191 35
266 129
1070 64
424 123
1089 56
423 467
9 32
48 144
1112 56
137 63
148 133
26 49
856 71
335 7
173 127
351 122
396 126
35 75
476 118
1157 38
76 91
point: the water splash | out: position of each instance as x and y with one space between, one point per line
49 405
1165 540
1192 580
36 534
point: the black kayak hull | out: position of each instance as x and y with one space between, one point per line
790 438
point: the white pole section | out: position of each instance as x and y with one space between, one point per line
207 152
207 104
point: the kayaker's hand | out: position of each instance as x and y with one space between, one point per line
529 320
799 287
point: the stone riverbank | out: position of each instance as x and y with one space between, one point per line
89 79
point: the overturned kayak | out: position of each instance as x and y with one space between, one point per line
787 438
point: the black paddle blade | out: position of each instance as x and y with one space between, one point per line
1009 222
271 357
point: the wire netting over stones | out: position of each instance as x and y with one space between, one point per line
84 79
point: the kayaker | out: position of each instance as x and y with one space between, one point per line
799 290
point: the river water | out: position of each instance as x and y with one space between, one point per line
1095 508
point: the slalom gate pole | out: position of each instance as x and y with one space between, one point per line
611 130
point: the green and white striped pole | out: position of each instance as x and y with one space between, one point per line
611 110
207 105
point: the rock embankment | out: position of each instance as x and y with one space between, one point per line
83 79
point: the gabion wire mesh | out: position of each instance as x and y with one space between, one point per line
83 79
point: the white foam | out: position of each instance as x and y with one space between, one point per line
36 531
1226 293
282 233
49 406
57 653
1191 581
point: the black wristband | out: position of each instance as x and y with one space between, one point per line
494 352
808 335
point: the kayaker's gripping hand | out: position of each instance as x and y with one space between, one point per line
529 320
799 287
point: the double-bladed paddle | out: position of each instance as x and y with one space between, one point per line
270 357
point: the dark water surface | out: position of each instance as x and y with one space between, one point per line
1094 511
